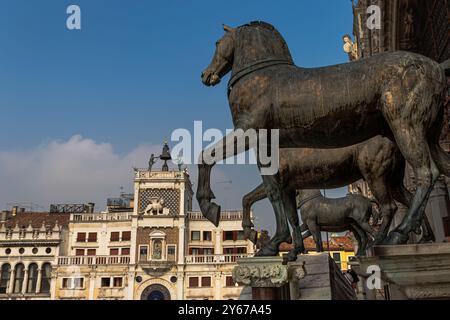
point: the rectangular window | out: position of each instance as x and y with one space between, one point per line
208 251
117 282
115 236
106 282
65 283
206 282
241 250
114 252
92 237
72 283
228 250
126 236
229 282
81 237
195 235
171 253
91 252
207 236
143 253
125 252
195 251
78 283
79 252
228 235
193 282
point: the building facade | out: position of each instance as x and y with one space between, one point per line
146 246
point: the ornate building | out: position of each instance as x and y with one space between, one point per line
421 26
30 244
149 245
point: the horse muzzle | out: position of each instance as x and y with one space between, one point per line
210 79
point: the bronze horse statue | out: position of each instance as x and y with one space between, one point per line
351 213
378 161
396 94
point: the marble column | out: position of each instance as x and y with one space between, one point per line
39 281
12 278
25 281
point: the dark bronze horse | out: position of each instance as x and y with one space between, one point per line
378 161
398 94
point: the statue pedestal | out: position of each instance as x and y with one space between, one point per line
323 279
408 272
266 276
311 277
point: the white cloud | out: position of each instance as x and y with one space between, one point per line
78 170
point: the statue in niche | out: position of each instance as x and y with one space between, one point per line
157 250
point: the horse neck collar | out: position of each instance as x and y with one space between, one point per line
308 199
255 66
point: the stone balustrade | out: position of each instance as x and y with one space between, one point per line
103 216
215 259
93 260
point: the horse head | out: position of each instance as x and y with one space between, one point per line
222 61
243 47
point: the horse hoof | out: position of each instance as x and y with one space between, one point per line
212 213
395 238
253 237
267 251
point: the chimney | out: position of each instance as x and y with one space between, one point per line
90 207
14 210
22 210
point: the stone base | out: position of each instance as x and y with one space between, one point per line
323 279
408 272
311 277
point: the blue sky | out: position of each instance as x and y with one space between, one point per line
132 74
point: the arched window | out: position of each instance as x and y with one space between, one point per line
4 278
32 278
46 277
18 279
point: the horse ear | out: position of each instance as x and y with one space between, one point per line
227 28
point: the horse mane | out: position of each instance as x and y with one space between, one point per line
268 26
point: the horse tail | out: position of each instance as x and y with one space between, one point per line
446 66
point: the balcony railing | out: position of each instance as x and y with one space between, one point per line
224 216
215 259
103 216
93 260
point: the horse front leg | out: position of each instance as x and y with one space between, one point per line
259 193
210 210
224 149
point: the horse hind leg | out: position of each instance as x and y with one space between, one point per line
275 195
410 134
290 204
259 193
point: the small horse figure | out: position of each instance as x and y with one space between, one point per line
351 213
394 94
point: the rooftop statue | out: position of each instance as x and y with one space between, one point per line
397 94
